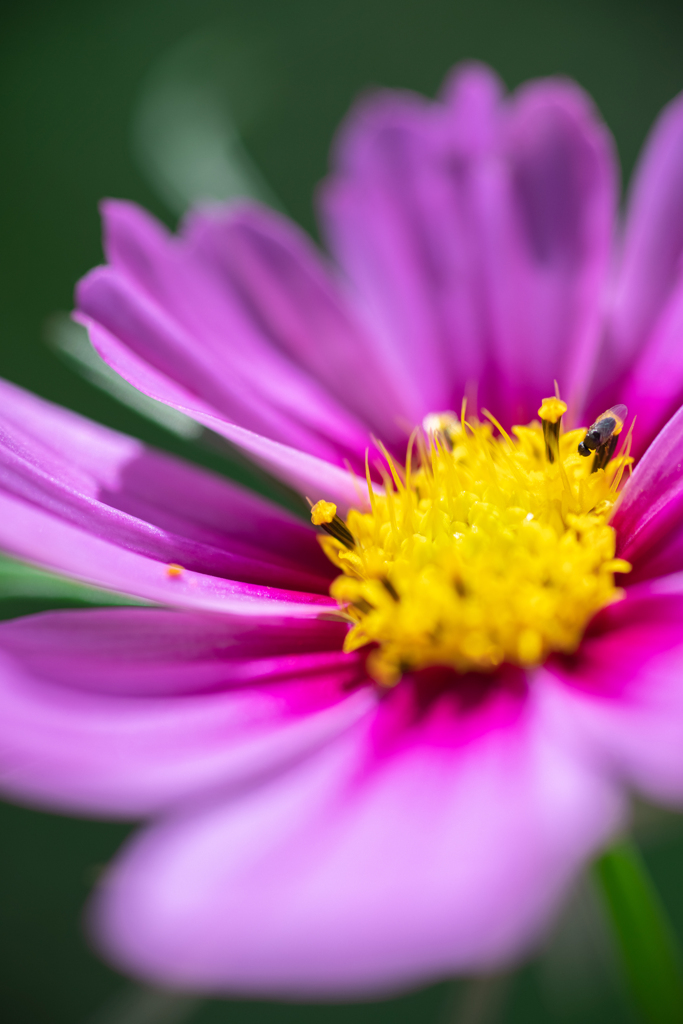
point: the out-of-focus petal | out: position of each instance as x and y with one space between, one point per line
129 713
477 234
547 224
400 212
649 516
653 243
368 869
310 475
621 695
149 502
653 388
642 364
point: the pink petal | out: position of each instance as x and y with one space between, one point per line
161 299
643 360
654 386
285 290
477 235
621 695
37 536
157 505
550 206
398 215
361 873
127 713
649 516
310 475
653 242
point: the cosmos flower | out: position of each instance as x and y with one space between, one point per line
376 751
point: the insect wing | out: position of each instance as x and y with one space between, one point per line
618 413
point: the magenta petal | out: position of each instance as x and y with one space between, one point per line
621 695
649 516
127 713
308 474
653 242
358 875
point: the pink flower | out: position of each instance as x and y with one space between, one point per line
314 832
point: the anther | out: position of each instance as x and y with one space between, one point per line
551 412
324 514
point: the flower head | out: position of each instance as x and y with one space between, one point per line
377 755
494 549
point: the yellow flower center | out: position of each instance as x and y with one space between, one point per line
493 548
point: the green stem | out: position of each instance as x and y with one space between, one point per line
649 950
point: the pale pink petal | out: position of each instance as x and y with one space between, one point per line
621 695
128 713
362 872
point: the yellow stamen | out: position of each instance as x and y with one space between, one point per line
552 409
174 570
323 512
487 551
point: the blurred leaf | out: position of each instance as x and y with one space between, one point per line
186 130
477 1000
138 1005
649 951
18 579
578 964
71 341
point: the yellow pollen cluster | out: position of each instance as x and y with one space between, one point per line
552 410
494 548
323 512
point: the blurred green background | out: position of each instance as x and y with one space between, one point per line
87 105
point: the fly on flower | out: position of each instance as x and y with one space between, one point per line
381 758
602 436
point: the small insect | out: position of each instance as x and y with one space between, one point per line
601 437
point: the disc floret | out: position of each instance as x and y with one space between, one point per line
495 548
